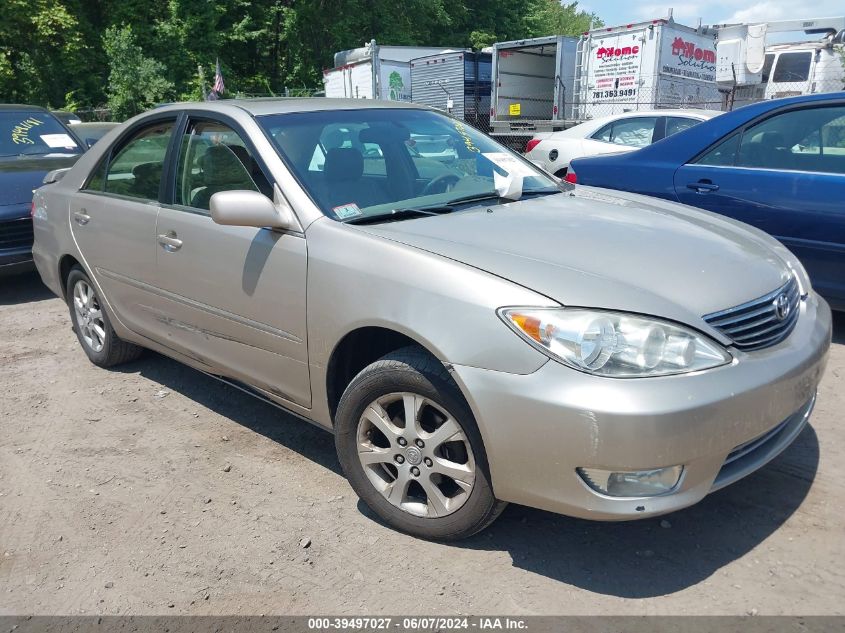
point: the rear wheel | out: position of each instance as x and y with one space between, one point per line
409 446
92 326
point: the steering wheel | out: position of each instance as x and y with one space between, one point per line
443 180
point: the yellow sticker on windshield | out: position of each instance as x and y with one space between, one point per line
515 109
20 133
465 136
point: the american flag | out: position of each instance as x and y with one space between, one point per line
218 86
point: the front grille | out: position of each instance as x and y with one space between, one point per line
760 323
15 233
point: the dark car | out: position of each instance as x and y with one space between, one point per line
92 132
778 165
32 143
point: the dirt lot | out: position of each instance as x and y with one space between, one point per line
154 489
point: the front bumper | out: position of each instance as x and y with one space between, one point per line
538 428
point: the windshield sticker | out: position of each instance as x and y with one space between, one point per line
349 210
466 138
58 140
510 164
20 133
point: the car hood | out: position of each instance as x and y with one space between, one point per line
19 175
591 248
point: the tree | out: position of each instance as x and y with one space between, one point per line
136 82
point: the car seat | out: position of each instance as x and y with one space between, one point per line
222 170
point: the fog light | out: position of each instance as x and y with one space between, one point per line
637 483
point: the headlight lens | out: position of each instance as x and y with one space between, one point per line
614 344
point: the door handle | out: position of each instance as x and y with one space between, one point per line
169 241
703 186
81 217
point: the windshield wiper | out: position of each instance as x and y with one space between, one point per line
492 196
396 214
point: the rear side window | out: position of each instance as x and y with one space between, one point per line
635 132
675 124
793 67
136 167
723 154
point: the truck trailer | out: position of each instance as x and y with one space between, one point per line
646 65
375 72
533 83
458 83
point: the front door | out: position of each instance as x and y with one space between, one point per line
235 296
113 220
786 176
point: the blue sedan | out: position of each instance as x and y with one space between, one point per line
778 165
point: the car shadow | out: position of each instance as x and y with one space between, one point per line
637 559
658 556
839 327
23 288
265 419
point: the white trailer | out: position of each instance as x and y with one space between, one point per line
375 71
644 66
532 85
752 71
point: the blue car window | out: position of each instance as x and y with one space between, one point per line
810 139
723 154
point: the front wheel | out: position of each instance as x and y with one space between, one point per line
409 445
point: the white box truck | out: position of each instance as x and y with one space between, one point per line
375 71
532 85
646 65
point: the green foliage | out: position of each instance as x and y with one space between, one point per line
134 53
136 82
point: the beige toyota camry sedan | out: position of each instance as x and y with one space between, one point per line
471 330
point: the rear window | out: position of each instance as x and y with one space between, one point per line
35 133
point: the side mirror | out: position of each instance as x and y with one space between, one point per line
248 208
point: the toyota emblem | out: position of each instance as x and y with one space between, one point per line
782 307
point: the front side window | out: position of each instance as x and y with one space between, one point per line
136 168
370 161
213 158
636 132
792 67
34 133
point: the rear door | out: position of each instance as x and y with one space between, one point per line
113 220
234 296
785 175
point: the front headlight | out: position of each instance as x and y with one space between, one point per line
614 344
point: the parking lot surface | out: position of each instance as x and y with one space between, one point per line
153 489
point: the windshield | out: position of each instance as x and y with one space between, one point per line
34 133
359 163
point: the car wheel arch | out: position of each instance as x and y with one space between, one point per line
357 349
66 264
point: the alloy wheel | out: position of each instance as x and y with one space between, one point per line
89 316
416 454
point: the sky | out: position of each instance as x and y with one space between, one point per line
616 12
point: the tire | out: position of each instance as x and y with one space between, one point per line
430 504
94 331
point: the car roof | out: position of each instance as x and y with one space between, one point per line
20 107
286 105
695 112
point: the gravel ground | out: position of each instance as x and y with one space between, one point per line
152 489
